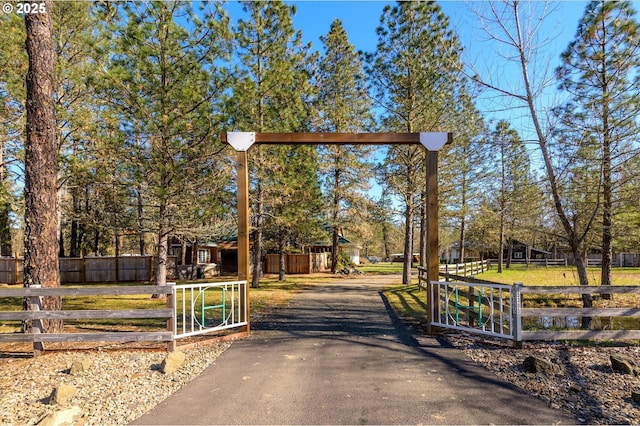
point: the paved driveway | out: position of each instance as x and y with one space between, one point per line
338 355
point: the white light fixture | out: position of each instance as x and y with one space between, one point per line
241 141
433 141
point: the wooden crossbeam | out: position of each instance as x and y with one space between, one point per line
337 138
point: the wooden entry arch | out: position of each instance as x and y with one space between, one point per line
432 141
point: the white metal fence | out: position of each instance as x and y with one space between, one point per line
208 307
498 310
478 308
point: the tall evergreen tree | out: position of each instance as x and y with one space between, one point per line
13 68
601 73
79 54
41 236
465 169
516 194
271 91
415 77
343 105
163 83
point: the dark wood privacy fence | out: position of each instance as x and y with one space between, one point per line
297 263
75 270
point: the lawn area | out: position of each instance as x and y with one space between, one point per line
271 294
557 275
382 268
409 301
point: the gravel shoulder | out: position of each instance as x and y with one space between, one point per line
586 386
118 387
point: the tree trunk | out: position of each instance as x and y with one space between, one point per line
257 240
335 210
501 238
607 217
5 208
334 250
408 245
183 251
163 248
423 226
385 240
40 192
140 223
587 300
281 263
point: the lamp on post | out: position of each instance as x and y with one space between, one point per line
241 142
433 142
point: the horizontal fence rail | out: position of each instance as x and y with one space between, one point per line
575 314
208 307
500 310
465 269
36 315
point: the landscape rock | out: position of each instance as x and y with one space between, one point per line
635 396
534 364
62 394
80 366
624 364
172 362
62 417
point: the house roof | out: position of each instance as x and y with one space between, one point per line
342 241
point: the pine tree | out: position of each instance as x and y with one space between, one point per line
415 77
271 90
465 169
41 236
163 83
13 68
343 105
516 194
601 74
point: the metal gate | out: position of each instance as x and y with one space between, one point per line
480 308
208 307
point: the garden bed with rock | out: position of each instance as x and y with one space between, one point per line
599 384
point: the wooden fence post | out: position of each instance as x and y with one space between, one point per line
35 305
171 304
516 312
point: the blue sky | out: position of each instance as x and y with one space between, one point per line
360 19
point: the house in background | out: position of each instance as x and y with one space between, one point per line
351 249
522 252
206 259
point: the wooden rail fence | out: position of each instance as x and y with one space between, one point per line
461 305
36 315
593 312
465 269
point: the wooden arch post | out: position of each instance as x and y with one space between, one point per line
432 141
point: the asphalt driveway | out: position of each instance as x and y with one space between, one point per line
338 355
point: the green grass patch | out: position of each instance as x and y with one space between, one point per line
557 275
408 301
382 268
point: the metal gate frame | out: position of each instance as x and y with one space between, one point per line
194 307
